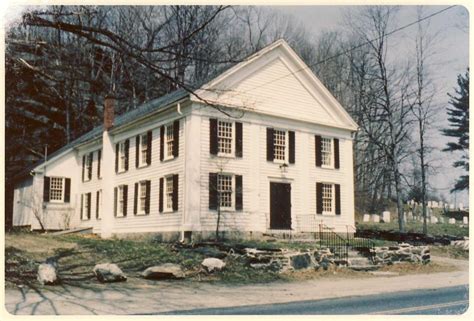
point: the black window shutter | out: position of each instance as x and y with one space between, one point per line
319 198
46 189
97 204
162 143
238 139
175 192
238 193
160 201
319 159
135 199
291 147
83 166
213 136
99 159
115 201
148 148
127 147
336 153
82 206
176 138
67 190
213 191
89 165
338 198
270 152
125 199
89 196
147 199
137 151
117 146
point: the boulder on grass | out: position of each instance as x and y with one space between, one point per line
47 274
167 271
212 264
108 272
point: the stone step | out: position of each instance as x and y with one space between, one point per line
358 261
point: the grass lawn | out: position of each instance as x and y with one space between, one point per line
79 253
433 229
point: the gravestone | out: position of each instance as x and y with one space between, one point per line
465 220
366 218
375 218
386 216
441 219
461 207
410 216
434 220
451 206
452 221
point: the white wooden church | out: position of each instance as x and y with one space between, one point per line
264 142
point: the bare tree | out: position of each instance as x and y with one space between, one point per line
422 107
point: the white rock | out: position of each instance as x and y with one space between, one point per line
108 272
212 264
163 272
47 274
366 218
386 216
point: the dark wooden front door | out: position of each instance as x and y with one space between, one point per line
280 206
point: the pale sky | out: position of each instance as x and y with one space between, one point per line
451 59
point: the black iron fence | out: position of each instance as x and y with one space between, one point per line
340 244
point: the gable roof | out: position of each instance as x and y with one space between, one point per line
119 121
180 94
223 89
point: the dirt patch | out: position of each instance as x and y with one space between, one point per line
35 243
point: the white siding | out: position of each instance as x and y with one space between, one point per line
155 221
257 174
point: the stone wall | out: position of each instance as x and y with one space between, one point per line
402 252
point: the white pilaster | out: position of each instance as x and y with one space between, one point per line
108 175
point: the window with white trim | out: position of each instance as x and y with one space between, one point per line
326 152
328 198
120 200
98 204
169 138
169 193
122 156
280 145
225 191
143 148
85 206
56 189
142 197
225 137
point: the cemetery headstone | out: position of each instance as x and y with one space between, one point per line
386 216
366 218
375 218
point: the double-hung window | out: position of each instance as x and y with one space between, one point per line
225 191
225 138
122 156
328 199
169 194
280 146
326 152
56 189
143 149
86 206
121 194
169 141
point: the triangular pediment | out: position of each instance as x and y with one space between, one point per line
275 81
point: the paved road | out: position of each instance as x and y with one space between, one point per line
451 300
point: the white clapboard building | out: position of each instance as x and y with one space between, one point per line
265 142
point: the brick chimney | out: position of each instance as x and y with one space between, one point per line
109 111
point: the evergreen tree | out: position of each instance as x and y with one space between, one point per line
459 128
